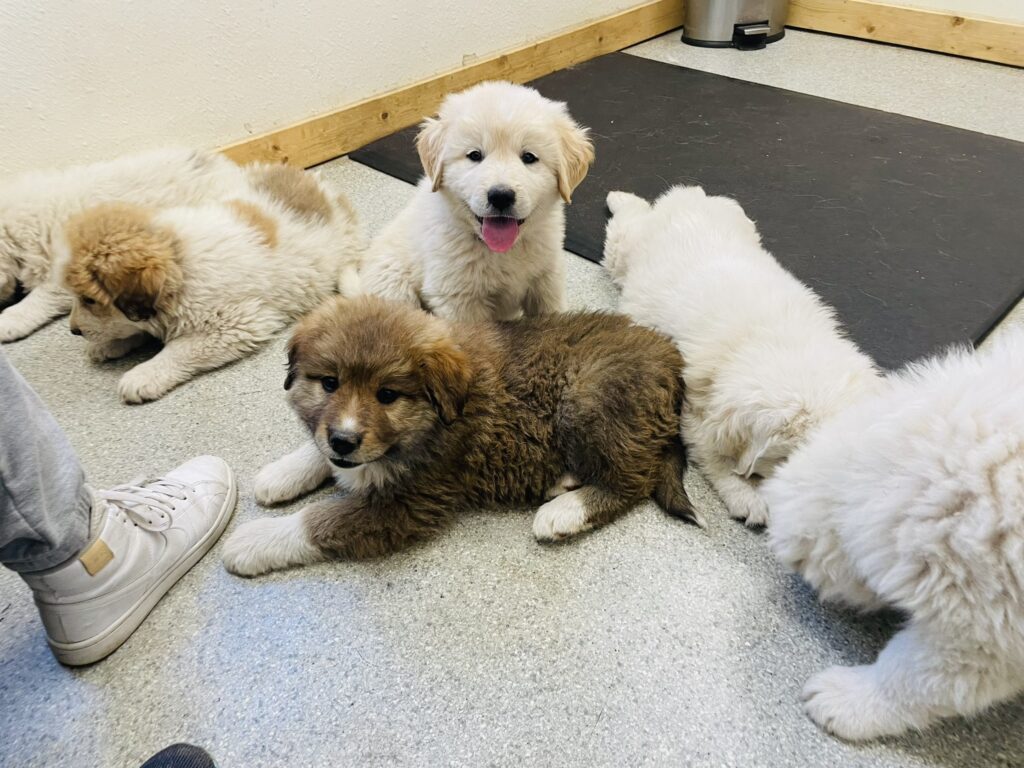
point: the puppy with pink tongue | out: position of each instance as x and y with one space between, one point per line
499 232
482 237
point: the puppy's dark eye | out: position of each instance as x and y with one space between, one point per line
528 158
475 155
386 396
87 301
329 383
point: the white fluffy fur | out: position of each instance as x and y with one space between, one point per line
291 476
269 544
914 498
238 292
765 359
35 205
563 516
307 467
432 253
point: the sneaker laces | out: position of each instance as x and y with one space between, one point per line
150 505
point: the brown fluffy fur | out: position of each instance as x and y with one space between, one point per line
294 188
120 258
489 414
254 217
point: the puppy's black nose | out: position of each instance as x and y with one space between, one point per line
343 443
501 198
76 331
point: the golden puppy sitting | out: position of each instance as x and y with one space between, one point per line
212 282
419 419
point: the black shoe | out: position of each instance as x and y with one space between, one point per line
180 756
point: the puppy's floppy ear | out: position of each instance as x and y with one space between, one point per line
430 145
137 293
293 365
784 429
755 449
294 353
446 373
577 153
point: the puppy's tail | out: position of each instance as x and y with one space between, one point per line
346 221
670 493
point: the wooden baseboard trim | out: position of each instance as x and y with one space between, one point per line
336 133
976 38
328 136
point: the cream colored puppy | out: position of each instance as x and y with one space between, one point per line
212 282
766 359
914 498
482 237
35 205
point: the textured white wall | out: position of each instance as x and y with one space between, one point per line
87 79
1003 10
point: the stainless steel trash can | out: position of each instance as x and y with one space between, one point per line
745 24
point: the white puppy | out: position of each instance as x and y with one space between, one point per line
914 498
482 237
212 282
35 205
765 359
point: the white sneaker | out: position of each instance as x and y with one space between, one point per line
153 533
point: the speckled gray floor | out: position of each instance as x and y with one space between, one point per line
648 642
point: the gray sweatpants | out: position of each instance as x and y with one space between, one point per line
44 502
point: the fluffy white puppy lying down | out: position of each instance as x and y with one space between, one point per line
34 205
914 498
765 360
212 282
482 236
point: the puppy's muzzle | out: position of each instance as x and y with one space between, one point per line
343 444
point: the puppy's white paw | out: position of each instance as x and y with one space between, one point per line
99 353
140 385
12 329
748 507
269 544
291 476
846 702
102 351
275 484
563 516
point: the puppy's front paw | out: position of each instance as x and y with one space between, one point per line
846 702
750 508
12 329
565 515
276 483
140 385
102 351
268 544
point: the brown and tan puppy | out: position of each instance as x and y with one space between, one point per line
419 419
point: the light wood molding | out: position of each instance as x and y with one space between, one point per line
976 38
336 133
328 136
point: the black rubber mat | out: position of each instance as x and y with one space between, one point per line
914 231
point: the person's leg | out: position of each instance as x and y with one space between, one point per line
44 502
98 562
